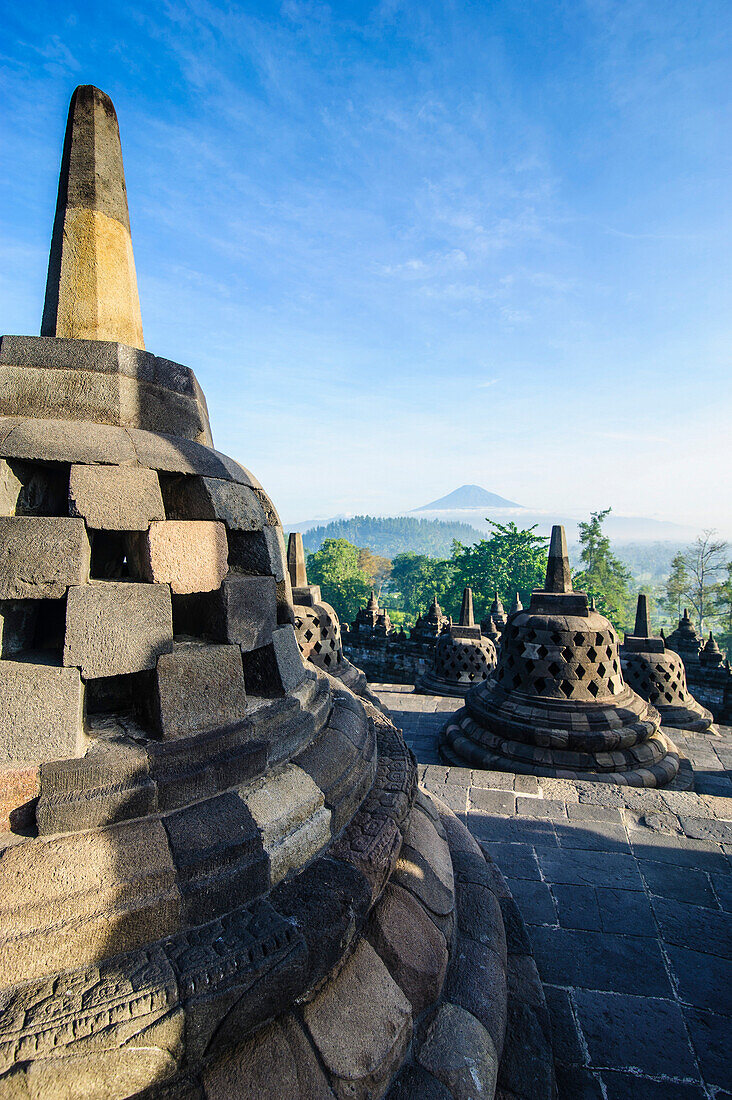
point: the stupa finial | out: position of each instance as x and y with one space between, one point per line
296 560
642 629
517 605
558 576
91 290
467 617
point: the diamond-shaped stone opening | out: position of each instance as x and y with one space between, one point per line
309 635
601 669
593 689
542 652
540 684
580 672
529 666
566 687
579 638
554 668
556 638
592 653
599 639
568 653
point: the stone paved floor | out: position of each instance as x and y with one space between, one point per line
627 896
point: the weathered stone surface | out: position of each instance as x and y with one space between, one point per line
261 553
55 440
115 498
425 867
19 789
69 900
91 291
290 668
41 712
189 555
289 811
243 612
279 1057
213 498
32 488
18 621
414 1083
414 951
460 1053
198 688
363 1056
477 982
40 556
116 627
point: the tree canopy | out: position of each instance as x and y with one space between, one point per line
343 583
603 575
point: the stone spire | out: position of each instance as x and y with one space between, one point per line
467 618
497 605
642 629
296 560
558 576
91 290
516 605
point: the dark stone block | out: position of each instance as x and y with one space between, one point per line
640 1032
597 960
476 981
704 981
527 1067
515 860
577 907
414 1083
565 1037
681 883
516 940
628 1086
591 869
328 902
710 1036
534 900
625 911
692 926
577 1083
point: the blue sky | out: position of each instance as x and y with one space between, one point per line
410 245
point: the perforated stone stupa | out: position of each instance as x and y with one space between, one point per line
557 704
494 623
657 674
463 657
218 880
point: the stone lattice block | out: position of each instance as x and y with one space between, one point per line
189 555
41 712
115 498
117 627
198 688
243 611
40 556
236 505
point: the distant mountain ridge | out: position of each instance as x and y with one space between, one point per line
392 535
467 496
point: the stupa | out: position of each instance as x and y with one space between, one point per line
372 620
428 627
685 641
463 657
217 877
495 620
556 704
710 655
657 675
317 626
516 605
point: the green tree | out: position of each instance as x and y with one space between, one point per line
342 582
705 561
418 579
512 560
375 567
724 610
603 575
676 585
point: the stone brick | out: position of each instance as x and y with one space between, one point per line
19 788
40 556
115 498
41 712
363 1056
460 1053
198 688
189 555
54 440
261 553
243 612
414 950
289 811
290 669
213 498
116 627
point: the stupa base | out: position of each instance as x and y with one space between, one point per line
652 763
430 684
692 719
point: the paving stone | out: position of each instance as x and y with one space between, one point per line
512 829
678 850
590 869
565 1037
696 927
40 556
115 498
565 790
704 981
460 1053
117 627
594 836
534 900
699 828
624 1031
599 961
514 860
722 885
494 802
577 907
541 807
682 883
629 1086
625 911
526 784
499 781
587 811
710 1037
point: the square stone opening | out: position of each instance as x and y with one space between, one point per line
110 560
33 488
32 626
